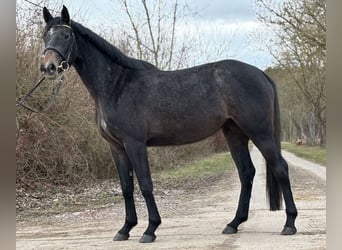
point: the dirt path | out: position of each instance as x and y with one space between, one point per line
194 219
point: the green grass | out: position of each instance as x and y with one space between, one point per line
213 165
312 153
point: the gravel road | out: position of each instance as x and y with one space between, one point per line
194 219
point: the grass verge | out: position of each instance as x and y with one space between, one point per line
312 153
214 165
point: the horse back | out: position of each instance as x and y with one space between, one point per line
187 105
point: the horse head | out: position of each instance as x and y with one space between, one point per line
60 44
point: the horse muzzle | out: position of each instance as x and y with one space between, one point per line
52 65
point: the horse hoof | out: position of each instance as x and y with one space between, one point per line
288 231
121 237
146 238
229 230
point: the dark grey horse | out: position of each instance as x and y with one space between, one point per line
138 105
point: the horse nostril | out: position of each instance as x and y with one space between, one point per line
52 69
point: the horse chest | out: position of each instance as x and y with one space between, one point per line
104 130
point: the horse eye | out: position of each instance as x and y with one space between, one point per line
66 36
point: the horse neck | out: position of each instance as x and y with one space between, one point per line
97 71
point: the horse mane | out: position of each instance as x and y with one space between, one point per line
115 54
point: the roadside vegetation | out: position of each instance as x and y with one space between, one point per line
316 154
201 169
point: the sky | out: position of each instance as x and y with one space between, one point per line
231 22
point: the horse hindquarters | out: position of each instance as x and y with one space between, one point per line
264 130
259 119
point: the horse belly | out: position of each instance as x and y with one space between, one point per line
177 132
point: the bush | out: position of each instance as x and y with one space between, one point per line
61 146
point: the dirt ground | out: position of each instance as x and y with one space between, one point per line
194 219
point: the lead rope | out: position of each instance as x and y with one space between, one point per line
21 101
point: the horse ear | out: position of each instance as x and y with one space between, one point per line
46 14
65 15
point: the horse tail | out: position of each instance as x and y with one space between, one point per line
272 184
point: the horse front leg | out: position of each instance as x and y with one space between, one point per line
137 153
126 179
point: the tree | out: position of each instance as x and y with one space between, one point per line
153 33
299 48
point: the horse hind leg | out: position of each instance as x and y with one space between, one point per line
278 181
238 144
